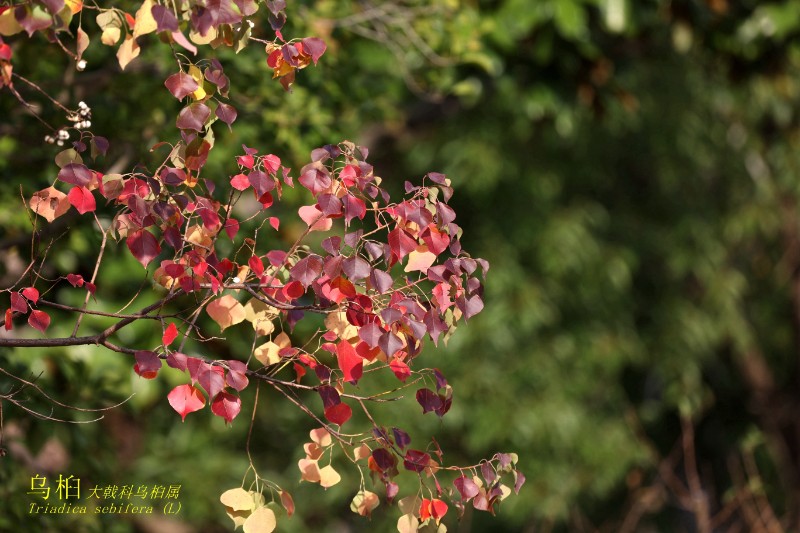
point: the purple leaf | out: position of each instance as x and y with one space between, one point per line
314 179
370 333
329 204
401 437
429 400
226 113
380 280
383 458
330 397
489 475
315 47
76 174
466 487
261 182
165 18
307 269
416 460
193 117
356 268
390 343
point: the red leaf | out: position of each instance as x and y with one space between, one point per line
339 413
31 294
237 377
147 364
246 161
39 320
287 502
349 361
274 222
143 246
82 200
76 280
231 227
256 265
400 369
240 182
416 460
226 405
353 207
186 399
9 322
170 334
18 303
211 378
401 243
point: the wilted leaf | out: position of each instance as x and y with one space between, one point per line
287 502
49 203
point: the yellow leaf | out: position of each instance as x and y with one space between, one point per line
198 236
313 450
196 38
145 23
238 517
238 499
408 523
261 521
338 323
267 353
321 437
127 52
362 452
420 259
225 311
261 316
8 23
328 477
74 5
309 470
197 74
364 503
409 505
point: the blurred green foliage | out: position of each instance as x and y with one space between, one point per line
630 169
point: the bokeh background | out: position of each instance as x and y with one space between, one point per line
629 168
